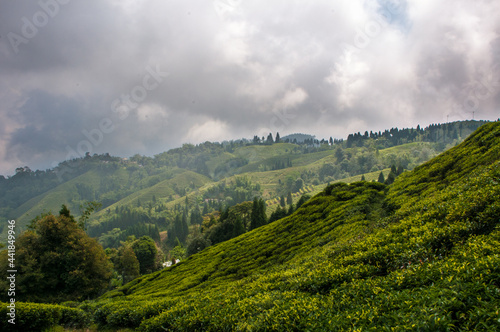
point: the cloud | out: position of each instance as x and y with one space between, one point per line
211 130
238 68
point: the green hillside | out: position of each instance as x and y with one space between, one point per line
153 189
420 254
65 193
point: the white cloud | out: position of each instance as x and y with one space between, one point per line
211 130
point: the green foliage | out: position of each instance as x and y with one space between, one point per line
258 216
145 251
198 244
39 317
178 252
381 178
57 261
86 210
420 254
129 264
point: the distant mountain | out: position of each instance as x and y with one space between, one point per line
298 138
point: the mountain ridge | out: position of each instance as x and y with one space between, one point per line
278 169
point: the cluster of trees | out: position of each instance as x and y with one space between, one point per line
57 261
391 176
134 257
269 140
224 225
436 133
114 237
282 211
132 221
239 191
282 163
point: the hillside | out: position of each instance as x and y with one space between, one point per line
420 254
153 188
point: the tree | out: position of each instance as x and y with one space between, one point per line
64 212
278 214
197 244
339 154
277 138
57 261
258 215
282 201
86 210
381 178
129 264
390 178
269 139
238 228
299 183
289 199
145 251
302 200
196 218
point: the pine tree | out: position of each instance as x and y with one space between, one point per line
390 178
258 215
205 209
289 199
185 229
339 154
282 201
270 139
277 138
262 212
381 178
239 228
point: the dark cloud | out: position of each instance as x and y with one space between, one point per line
235 68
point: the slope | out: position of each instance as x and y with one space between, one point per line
421 254
65 193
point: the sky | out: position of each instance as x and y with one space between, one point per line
144 76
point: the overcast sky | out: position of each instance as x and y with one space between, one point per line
144 76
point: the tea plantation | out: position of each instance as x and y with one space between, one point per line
422 254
